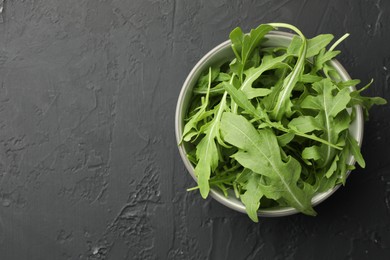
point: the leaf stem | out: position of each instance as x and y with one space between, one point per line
338 42
312 137
288 26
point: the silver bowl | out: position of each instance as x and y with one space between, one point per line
223 52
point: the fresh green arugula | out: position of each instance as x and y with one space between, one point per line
272 125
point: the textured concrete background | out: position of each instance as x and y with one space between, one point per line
89 167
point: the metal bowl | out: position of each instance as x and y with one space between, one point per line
223 52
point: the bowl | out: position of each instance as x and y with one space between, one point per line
223 52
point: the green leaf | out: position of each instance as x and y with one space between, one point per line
323 57
214 91
244 44
241 100
193 122
253 74
309 78
355 149
190 135
328 106
342 166
236 37
222 77
260 152
305 124
283 102
294 46
251 197
207 151
348 83
314 45
243 176
257 92
332 168
206 79
365 102
251 41
284 139
325 100
312 153
254 60
341 122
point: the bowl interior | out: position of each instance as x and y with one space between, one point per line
223 53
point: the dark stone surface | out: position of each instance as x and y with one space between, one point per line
89 167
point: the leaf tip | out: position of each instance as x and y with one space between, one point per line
362 163
310 211
204 191
254 218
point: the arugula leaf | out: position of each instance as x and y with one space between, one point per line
260 152
252 74
205 80
342 167
314 45
355 149
193 122
312 153
284 139
207 151
365 102
252 195
332 168
322 58
328 107
309 78
241 100
244 44
325 100
305 124
348 83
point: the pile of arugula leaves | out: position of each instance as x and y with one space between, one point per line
273 124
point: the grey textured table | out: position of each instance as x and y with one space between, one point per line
89 167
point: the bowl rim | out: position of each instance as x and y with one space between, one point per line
234 203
